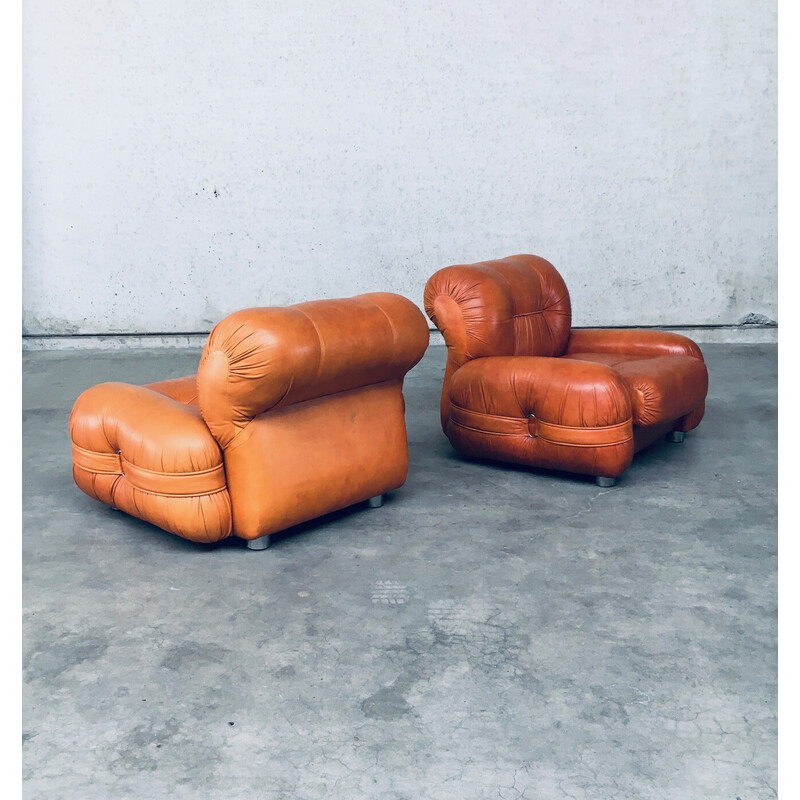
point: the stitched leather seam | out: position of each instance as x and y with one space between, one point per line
321 352
172 494
116 469
389 320
586 427
551 309
536 436
598 428
486 414
530 313
93 471
164 473
586 444
488 433
121 477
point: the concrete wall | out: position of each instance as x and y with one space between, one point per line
185 159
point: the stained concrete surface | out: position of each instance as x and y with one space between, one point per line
491 632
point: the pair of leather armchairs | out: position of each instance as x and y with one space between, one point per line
296 412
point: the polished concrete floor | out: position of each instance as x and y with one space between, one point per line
490 632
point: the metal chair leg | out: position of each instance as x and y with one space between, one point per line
675 437
375 502
604 483
262 543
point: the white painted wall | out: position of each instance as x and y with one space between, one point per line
185 159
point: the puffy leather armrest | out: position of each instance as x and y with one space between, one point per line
151 456
631 342
558 391
472 306
551 412
261 359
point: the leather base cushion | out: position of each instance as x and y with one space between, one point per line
663 388
542 412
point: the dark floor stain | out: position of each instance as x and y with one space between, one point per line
386 704
285 672
51 658
189 654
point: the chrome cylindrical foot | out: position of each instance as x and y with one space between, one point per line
375 502
675 436
262 543
604 483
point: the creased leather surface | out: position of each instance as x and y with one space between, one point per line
260 359
521 386
303 406
662 388
644 342
184 390
512 306
548 412
152 456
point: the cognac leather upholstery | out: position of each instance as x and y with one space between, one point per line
521 386
294 412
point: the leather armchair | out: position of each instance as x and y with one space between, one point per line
522 386
294 412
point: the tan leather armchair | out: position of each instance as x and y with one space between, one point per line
521 386
294 412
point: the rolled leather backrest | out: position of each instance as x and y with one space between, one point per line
265 358
513 306
542 311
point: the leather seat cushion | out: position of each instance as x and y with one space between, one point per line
663 388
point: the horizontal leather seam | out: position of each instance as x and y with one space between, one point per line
120 476
92 471
529 313
172 494
195 484
94 461
164 473
488 433
121 458
486 414
543 438
586 444
548 310
597 428
192 483
125 478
